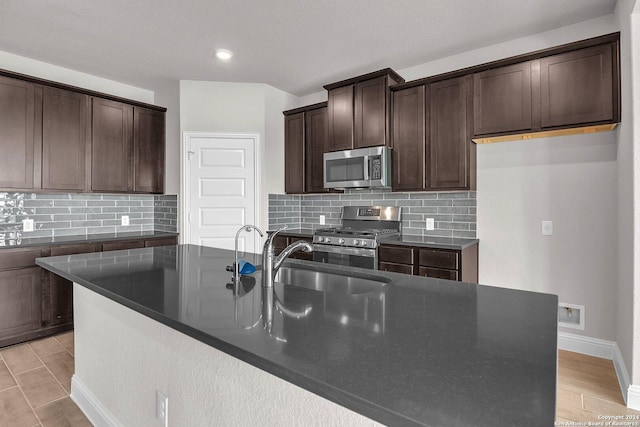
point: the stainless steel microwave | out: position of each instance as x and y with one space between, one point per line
360 168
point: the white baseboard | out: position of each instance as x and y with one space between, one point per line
606 350
92 408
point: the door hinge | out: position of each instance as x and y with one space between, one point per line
190 154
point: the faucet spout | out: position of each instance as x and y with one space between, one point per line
271 264
300 245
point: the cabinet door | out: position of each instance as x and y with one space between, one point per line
340 108
64 139
148 150
577 87
371 113
20 301
316 138
294 153
448 153
61 290
395 268
111 146
438 273
502 100
17 133
409 117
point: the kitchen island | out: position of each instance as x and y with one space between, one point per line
415 351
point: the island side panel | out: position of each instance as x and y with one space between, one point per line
122 358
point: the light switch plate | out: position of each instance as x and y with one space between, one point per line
27 224
322 219
431 224
547 228
124 220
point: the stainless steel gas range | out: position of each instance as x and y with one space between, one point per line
355 243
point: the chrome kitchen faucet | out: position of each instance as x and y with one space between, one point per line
270 266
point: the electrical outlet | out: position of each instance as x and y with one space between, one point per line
322 219
547 228
27 224
162 408
124 220
431 224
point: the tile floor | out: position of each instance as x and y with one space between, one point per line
35 382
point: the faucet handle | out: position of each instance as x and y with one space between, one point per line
272 233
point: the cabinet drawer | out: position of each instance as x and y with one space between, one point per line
395 254
73 249
395 268
16 258
438 273
439 259
116 246
169 241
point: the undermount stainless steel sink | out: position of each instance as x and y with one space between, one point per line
330 280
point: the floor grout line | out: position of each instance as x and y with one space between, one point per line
33 411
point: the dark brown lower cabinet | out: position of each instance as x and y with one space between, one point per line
450 264
36 303
61 290
20 304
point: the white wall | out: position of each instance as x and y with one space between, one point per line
245 108
123 358
43 70
168 96
569 180
625 320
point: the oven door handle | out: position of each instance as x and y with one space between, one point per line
371 253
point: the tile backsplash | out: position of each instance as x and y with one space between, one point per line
81 214
454 213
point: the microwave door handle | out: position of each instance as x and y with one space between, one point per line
366 168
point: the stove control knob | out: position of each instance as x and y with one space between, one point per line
327 239
320 239
356 242
341 241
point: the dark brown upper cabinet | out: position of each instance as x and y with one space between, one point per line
65 140
294 159
567 87
502 99
449 136
306 137
340 110
56 137
359 110
432 148
409 145
371 113
577 87
316 138
148 150
111 141
19 129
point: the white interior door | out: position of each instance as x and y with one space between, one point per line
220 194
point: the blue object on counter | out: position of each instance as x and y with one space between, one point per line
246 267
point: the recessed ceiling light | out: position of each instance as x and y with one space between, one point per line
224 54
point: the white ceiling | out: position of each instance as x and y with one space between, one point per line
294 45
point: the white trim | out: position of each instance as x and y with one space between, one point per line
606 350
633 397
186 171
92 408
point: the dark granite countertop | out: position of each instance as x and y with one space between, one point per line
417 352
305 232
82 238
429 242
